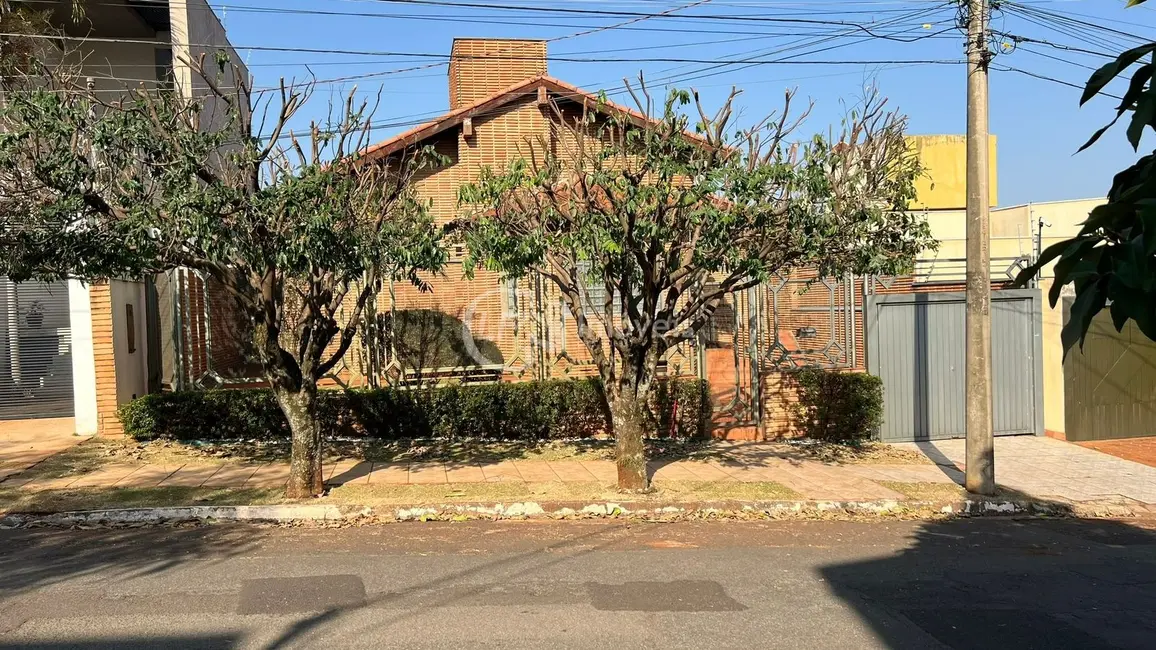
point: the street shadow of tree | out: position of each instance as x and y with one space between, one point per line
34 558
159 642
310 631
989 583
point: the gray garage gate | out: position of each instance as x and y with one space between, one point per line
35 350
915 343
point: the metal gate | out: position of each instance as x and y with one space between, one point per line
1110 386
783 324
35 351
915 343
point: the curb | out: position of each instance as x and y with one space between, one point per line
323 514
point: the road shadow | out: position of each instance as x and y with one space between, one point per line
165 642
34 558
999 583
945 464
310 631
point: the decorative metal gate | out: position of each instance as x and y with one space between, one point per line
786 323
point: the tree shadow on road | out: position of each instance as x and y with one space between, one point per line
165 642
39 557
987 583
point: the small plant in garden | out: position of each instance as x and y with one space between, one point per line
644 227
528 411
838 406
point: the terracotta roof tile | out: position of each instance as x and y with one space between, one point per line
497 100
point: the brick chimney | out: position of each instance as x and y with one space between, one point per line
482 66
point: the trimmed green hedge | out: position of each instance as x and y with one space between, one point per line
839 406
509 411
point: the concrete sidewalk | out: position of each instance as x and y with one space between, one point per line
1044 467
1038 467
25 443
811 480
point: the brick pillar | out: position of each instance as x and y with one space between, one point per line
100 297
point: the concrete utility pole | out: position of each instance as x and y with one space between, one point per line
980 443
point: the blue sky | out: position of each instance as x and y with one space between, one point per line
1038 122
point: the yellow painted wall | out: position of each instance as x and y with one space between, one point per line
1065 218
944 183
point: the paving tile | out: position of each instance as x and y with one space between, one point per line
356 473
28 457
570 471
706 471
148 476
752 474
464 473
427 474
389 474
48 483
676 471
106 476
333 467
6 472
231 476
533 471
1047 467
604 471
273 475
192 475
501 471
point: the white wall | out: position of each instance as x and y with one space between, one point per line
83 359
129 340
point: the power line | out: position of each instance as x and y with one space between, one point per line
1015 38
1061 18
552 40
800 44
789 18
1043 77
428 55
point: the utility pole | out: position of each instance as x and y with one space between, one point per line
980 474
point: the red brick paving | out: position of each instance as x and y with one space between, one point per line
1138 450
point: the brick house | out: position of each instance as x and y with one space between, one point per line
499 104
500 96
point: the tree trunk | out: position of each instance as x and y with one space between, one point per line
628 418
300 409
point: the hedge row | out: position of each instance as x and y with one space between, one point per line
510 411
839 406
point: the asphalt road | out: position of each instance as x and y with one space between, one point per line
982 583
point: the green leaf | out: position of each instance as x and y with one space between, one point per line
1089 301
1107 72
1145 111
1135 87
1099 132
1120 314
